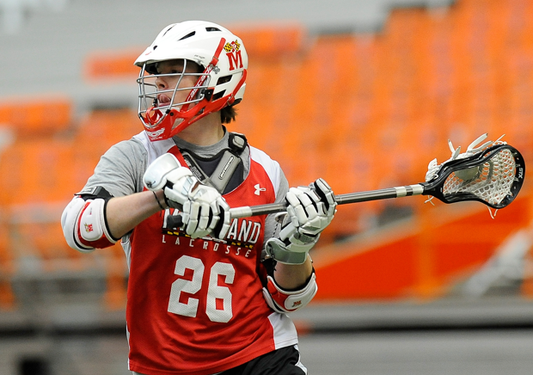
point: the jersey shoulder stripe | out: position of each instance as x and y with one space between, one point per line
271 167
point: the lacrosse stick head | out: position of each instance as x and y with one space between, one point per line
493 177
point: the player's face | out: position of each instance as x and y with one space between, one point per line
167 83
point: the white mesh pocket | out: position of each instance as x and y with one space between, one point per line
490 182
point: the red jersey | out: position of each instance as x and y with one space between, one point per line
196 306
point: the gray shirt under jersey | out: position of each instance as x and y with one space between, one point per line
120 171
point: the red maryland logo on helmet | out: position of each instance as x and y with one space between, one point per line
233 51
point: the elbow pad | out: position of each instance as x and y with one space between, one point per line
84 224
283 301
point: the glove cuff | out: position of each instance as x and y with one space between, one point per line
291 253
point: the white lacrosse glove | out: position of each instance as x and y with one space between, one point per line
309 211
472 149
204 210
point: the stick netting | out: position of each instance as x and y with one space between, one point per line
490 181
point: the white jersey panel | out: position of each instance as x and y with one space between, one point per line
154 149
271 167
285 333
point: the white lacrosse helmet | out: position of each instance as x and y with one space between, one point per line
224 60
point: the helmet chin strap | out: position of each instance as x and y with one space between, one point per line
153 116
163 124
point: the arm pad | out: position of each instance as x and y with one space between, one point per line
84 224
282 301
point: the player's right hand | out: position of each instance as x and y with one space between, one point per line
204 210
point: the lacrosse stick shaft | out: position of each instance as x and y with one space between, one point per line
364 196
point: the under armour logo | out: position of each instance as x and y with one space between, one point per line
259 189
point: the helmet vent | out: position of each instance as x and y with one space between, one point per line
167 30
219 95
211 28
188 35
222 80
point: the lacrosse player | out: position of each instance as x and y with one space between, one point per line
207 294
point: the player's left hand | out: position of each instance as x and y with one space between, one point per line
310 210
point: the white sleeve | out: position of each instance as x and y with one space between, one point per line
120 169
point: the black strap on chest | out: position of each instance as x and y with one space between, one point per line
221 169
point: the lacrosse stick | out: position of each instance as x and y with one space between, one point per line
493 177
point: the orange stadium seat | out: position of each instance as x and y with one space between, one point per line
271 40
36 171
36 186
438 76
40 177
7 268
33 117
99 130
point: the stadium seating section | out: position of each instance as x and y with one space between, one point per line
363 111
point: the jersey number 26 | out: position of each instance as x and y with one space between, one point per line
218 303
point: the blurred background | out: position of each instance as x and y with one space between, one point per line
361 93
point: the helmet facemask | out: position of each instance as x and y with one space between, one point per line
160 113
